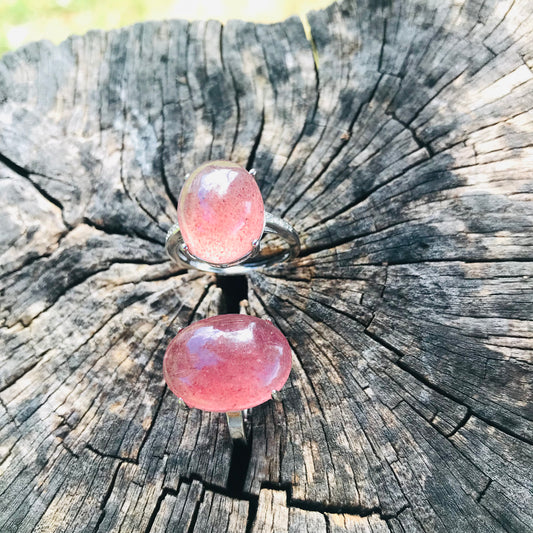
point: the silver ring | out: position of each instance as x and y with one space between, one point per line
207 364
236 420
257 258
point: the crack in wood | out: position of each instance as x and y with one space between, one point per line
500 22
354 510
77 281
120 458
116 229
106 497
21 372
26 263
194 310
15 167
364 197
253 500
164 177
335 243
414 134
308 121
196 107
239 463
383 43
166 276
11 419
257 141
236 92
27 175
167 491
461 424
339 150
482 493
194 517
71 452
423 379
309 36
253 504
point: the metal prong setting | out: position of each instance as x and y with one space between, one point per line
243 307
276 396
253 172
256 247
182 404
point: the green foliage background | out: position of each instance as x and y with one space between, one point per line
22 21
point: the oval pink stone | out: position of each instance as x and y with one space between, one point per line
220 212
227 363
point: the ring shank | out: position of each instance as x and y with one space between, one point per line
177 249
236 425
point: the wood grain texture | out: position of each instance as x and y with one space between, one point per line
398 140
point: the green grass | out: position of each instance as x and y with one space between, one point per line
22 21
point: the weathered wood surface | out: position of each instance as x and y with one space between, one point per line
403 158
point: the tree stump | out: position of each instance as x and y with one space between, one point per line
398 140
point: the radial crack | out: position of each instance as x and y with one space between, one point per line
106 497
251 158
27 174
423 379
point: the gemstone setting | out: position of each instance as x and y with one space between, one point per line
221 213
227 363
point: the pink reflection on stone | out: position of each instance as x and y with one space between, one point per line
220 212
227 363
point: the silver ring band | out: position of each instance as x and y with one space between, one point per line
178 251
236 421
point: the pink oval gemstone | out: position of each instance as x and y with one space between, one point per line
227 363
220 212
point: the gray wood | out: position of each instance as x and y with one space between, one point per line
177 511
357 524
221 513
273 514
398 141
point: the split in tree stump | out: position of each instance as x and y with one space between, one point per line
398 140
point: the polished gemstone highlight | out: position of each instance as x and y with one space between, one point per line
220 212
227 363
